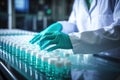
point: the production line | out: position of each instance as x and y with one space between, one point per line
34 64
41 41
29 60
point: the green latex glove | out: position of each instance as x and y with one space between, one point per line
52 28
54 41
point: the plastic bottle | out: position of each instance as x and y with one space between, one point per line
33 58
44 63
0 47
67 70
6 50
59 69
38 61
17 51
27 56
22 53
51 68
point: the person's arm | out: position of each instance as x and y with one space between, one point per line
101 39
94 41
60 26
68 27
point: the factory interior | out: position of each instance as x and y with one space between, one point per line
21 21
33 15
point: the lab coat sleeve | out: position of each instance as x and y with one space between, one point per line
68 27
99 40
92 42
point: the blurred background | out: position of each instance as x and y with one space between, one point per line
33 15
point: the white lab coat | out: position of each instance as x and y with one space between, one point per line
98 29
98 25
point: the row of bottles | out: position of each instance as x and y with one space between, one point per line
7 32
35 64
29 59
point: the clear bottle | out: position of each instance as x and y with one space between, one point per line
0 47
28 67
16 56
50 74
22 53
6 50
44 63
38 66
4 44
83 61
38 61
59 69
10 51
27 56
67 70
12 48
17 51
33 58
13 52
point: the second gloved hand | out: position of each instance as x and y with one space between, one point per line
57 39
52 28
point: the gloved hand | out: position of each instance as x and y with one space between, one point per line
52 28
54 41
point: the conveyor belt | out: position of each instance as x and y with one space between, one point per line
17 52
35 64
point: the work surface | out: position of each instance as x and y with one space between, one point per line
33 64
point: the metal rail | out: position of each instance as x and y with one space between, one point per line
8 75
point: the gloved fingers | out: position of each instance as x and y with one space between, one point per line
46 37
52 48
41 43
36 38
48 33
33 39
55 27
47 43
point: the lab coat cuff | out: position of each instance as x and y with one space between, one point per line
75 39
68 27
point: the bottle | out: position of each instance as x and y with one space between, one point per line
16 56
33 64
13 53
27 61
0 47
38 61
59 69
22 53
51 68
12 48
27 56
33 58
67 69
17 51
44 63
6 50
